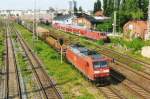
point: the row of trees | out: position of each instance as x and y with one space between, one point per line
97 6
136 9
76 9
126 9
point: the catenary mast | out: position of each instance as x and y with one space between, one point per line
114 21
148 24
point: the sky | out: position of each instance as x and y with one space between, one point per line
44 4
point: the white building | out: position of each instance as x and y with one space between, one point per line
64 19
11 12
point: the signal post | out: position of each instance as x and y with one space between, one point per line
61 42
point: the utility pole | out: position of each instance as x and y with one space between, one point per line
147 37
114 20
34 24
61 42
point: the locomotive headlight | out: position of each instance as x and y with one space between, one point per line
102 71
106 71
96 72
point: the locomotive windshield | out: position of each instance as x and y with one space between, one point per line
100 64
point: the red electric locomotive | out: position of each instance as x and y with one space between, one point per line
90 63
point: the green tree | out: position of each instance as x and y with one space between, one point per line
75 9
105 5
126 10
108 7
137 44
129 10
97 6
80 9
143 5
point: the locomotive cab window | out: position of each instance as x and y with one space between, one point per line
100 64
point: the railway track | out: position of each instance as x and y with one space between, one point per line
146 64
13 88
47 86
139 90
110 92
107 52
125 59
135 88
140 80
104 51
3 65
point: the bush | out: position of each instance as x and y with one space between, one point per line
100 42
47 23
137 44
137 67
118 41
105 26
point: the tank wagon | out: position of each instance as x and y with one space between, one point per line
91 34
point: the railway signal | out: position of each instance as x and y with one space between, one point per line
61 42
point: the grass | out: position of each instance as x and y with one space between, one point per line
2 38
26 74
45 26
91 44
2 47
71 83
137 66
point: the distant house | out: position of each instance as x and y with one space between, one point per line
11 12
86 21
135 28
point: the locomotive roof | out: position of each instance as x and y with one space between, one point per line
84 51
